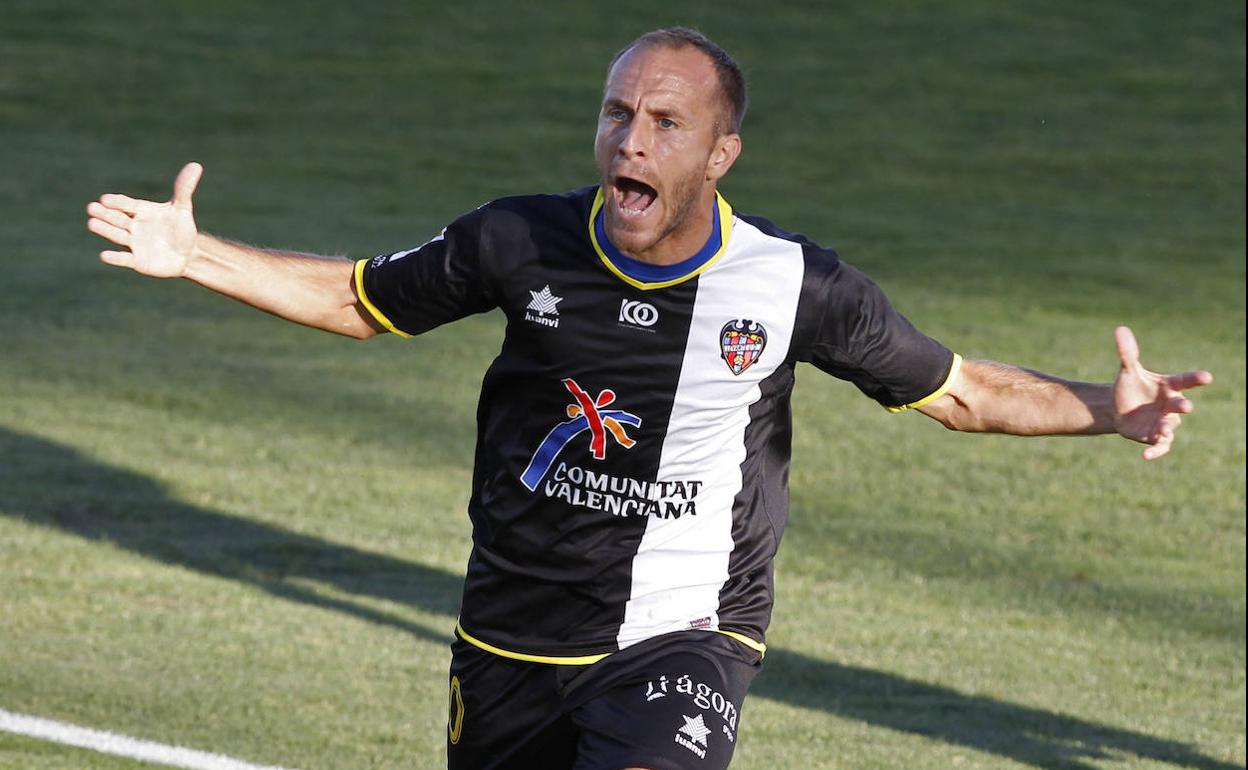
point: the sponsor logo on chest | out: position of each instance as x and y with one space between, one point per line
636 314
581 487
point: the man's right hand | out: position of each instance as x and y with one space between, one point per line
160 236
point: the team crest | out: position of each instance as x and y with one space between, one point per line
741 342
587 414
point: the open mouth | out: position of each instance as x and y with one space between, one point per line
634 196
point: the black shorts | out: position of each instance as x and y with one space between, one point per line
668 703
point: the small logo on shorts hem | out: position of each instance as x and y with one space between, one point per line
455 725
696 730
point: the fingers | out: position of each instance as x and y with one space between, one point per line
1158 399
111 223
112 216
1158 450
110 231
184 186
121 203
1128 348
1161 442
117 258
1178 405
183 189
1188 380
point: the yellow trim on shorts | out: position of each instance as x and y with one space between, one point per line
953 370
368 303
725 232
560 660
580 660
758 647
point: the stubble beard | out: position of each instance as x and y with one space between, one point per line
684 199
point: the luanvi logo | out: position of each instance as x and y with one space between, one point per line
696 731
542 309
638 314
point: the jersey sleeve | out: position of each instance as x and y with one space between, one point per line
860 337
415 290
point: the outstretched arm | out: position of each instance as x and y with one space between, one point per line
162 240
1143 406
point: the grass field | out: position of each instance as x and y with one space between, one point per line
225 532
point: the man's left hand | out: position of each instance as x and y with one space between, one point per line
1148 406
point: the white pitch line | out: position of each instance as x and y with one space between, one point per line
121 745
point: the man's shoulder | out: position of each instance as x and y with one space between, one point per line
515 229
816 256
574 204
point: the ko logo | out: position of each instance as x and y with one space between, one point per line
638 313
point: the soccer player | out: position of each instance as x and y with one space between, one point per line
630 482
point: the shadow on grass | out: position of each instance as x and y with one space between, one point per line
1031 736
55 486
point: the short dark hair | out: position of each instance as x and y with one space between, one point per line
731 80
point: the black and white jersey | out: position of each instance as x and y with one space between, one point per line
632 458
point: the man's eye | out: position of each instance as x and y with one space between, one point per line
667 123
617 114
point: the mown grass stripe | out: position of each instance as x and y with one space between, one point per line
121 745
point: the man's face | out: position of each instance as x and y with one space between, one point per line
658 153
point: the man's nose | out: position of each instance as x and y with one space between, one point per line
636 142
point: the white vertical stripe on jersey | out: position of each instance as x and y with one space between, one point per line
681 564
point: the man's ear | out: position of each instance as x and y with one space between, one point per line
727 149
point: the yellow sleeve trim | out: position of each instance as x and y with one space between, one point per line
758 647
575 660
368 303
953 370
725 232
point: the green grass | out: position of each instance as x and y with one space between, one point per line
225 532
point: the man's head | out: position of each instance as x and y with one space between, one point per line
671 111
732 92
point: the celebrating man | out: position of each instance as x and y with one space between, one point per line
632 458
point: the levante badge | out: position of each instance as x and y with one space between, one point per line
741 342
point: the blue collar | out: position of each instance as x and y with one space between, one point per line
647 276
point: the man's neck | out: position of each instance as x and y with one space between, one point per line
683 242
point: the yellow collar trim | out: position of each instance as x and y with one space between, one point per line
725 232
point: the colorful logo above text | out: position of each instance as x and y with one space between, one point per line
587 414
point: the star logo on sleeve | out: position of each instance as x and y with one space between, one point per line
543 309
544 301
